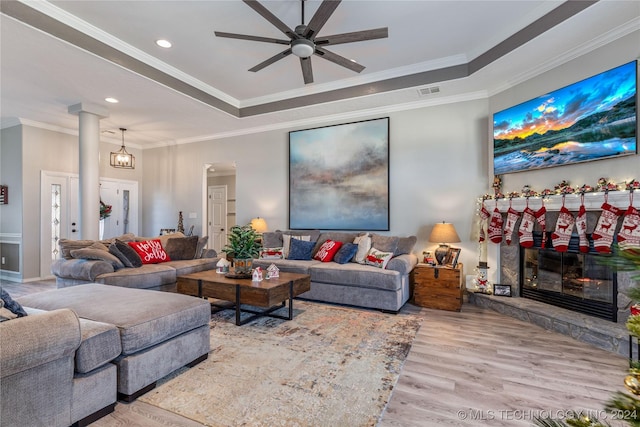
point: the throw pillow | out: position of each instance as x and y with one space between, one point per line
378 258
327 251
98 245
364 246
179 248
126 254
97 254
271 253
301 250
150 251
405 245
345 253
202 242
286 242
11 305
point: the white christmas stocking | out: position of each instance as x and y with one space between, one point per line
525 232
581 226
629 235
564 226
603 234
484 216
510 225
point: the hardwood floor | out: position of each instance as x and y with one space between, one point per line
476 367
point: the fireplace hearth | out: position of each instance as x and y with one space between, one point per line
573 280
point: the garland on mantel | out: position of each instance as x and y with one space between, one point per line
562 188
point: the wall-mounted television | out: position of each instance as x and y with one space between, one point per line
592 119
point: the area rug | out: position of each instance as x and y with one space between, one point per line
329 366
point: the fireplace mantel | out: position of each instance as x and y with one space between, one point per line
592 201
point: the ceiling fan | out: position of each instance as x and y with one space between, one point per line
304 40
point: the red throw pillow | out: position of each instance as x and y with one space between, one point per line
150 251
327 251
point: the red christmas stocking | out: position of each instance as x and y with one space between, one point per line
495 226
525 232
629 235
564 226
603 234
484 216
510 225
541 219
581 226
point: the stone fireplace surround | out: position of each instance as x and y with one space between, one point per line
599 332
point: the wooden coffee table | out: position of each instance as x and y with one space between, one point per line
271 294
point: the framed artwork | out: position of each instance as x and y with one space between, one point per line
339 177
451 260
502 290
164 231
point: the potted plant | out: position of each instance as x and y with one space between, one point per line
244 246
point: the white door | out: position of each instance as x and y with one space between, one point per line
217 216
59 215
122 196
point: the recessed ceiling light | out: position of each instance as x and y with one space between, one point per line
163 43
111 100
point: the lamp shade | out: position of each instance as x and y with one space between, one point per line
444 232
259 224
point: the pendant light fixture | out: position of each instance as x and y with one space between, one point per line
121 159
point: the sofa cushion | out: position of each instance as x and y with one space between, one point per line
274 239
202 242
346 253
144 277
67 245
192 265
384 243
327 251
100 345
286 242
179 248
81 269
336 236
126 254
150 251
285 265
378 259
97 254
301 249
405 245
353 274
148 317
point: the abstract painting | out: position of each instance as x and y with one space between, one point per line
339 177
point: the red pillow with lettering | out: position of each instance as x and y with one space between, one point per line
327 251
150 251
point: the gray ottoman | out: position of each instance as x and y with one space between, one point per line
159 331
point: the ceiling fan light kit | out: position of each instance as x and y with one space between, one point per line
304 40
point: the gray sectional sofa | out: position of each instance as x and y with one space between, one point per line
94 267
351 283
82 348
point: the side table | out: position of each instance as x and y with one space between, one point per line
437 287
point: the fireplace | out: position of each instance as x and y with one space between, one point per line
572 280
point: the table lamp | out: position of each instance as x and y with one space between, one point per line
259 225
443 233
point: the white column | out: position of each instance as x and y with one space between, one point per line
89 167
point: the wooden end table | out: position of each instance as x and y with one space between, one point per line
270 294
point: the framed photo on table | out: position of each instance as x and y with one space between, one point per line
502 290
451 260
164 231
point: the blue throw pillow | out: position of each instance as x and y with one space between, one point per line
345 253
301 250
11 305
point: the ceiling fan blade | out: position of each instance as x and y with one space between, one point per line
307 72
356 36
321 16
264 12
340 60
252 38
271 60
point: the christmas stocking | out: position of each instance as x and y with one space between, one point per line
581 226
484 216
526 228
510 225
603 234
629 235
564 226
541 219
495 226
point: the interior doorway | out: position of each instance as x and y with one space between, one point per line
220 185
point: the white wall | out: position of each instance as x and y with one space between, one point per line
437 169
